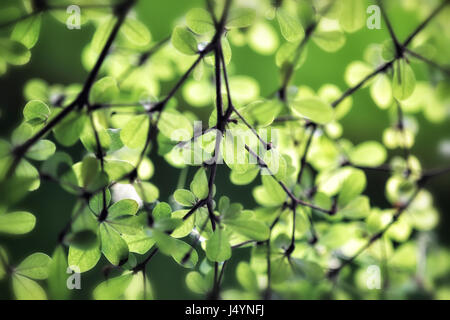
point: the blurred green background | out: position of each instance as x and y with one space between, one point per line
56 59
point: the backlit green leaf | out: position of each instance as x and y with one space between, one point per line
104 90
353 15
199 185
113 289
200 21
404 81
240 18
252 229
35 266
357 208
27 31
14 52
184 197
57 279
113 246
134 134
290 26
136 32
314 109
184 41
218 247
42 150
36 112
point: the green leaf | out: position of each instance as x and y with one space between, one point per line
139 288
199 185
273 189
83 260
83 240
27 289
184 254
139 243
357 208
3 260
252 229
314 109
118 169
89 170
175 126
285 57
42 150
104 90
247 277
89 139
180 251
162 211
231 212
147 192
244 89
240 18
57 279
264 112
388 50
330 41
187 225
134 133
102 33
184 197
127 224
404 81
245 178
197 283
353 15
198 93
184 41
218 247
27 31
199 21
123 207
290 26
167 224
136 32
35 266
36 112
97 202
27 175
68 131
17 222
308 270
369 153
21 134
381 91
353 185
36 89
14 52
113 246
113 289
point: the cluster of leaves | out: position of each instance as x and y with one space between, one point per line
312 219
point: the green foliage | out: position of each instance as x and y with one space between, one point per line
218 246
314 210
184 41
36 112
199 185
314 109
